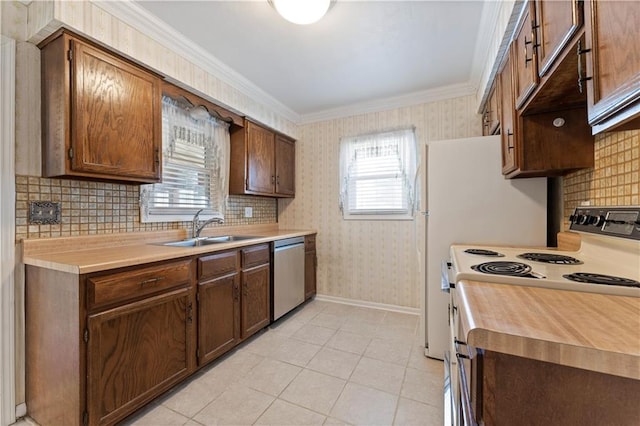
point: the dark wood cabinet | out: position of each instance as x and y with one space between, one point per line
523 57
102 345
310 266
101 114
491 111
612 59
556 22
539 144
285 158
507 390
256 289
262 162
135 352
218 304
507 119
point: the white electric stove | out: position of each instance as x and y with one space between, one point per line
608 261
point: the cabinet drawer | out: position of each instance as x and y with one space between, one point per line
132 284
310 243
217 265
255 255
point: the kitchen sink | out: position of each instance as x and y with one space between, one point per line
204 241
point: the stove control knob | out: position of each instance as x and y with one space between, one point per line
582 219
598 220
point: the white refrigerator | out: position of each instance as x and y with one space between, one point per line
468 201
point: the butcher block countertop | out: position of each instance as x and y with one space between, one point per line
86 254
585 330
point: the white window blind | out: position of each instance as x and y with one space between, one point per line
195 166
378 173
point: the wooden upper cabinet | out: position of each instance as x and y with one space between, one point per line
285 158
556 23
612 63
262 162
101 114
507 119
491 111
523 56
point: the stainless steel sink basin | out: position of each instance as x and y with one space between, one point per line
204 241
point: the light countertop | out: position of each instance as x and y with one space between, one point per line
585 330
81 255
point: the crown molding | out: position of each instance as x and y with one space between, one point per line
394 102
148 24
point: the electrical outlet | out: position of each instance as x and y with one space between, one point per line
248 212
44 212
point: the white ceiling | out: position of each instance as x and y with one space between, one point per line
360 53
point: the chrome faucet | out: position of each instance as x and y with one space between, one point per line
197 226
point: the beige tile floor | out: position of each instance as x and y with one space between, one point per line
325 363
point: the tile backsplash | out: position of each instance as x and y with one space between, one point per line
615 178
90 208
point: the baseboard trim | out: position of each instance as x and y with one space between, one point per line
21 410
365 304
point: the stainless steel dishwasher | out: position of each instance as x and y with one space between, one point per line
288 275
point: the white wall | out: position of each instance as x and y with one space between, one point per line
372 261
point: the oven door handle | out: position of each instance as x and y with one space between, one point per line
467 410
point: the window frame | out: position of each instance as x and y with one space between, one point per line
214 208
408 169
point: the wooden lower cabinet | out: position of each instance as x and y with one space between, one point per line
135 352
256 289
233 298
310 266
512 390
218 304
97 351
218 317
100 346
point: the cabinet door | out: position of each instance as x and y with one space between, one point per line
135 352
310 267
115 116
256 300
557 23
507 121
524 59
491 112
613 64
218 317
285 151
260 160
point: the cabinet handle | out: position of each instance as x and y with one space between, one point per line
151 281
157 156
273 179
580 52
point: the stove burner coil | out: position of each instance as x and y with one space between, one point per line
589 278
556 259
513 269
483 252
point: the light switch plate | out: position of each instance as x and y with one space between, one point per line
44 213
248 212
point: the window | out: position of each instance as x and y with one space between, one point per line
195 166
377 175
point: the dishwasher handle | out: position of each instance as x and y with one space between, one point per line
289 247
287 243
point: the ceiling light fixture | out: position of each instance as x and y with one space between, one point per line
301 12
